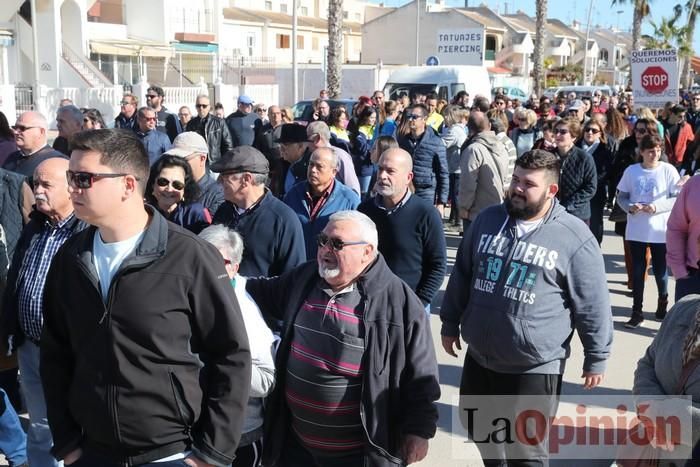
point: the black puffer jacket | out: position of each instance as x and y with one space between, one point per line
215 132
429 162
577 182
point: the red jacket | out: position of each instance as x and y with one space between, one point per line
685 135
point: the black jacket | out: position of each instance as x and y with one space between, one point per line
10 308
215 132
400 378
603 159
243 127
429 162
577 183
123 379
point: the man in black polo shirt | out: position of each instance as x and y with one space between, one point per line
272 234
410 229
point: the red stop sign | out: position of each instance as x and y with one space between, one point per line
654 80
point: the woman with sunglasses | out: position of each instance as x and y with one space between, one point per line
171 189
594 142
92 119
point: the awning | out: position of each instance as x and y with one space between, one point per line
130 49
6 38
498 70
198 47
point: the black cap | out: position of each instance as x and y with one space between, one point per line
292 133
242 159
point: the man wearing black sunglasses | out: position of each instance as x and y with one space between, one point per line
212 128
151 310
349 305
30 136
168 122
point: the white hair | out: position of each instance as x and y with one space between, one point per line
228 241
71 112
335 163
367 227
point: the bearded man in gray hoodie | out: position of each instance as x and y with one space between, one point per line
484 167
526 275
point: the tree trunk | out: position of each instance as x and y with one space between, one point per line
334 63
686 75
538 56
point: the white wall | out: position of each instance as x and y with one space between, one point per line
107 31
48 24
391 37
235 37
146 19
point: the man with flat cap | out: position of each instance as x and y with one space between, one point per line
192 147
272 235
295 149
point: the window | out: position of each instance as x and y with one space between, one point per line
314 43
304 11
250 42
268 5
300 42
358 17
283 7
282 41
346 15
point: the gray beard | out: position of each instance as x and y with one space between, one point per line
327 273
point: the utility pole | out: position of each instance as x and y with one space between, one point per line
586 81
295 78
417 31
35 49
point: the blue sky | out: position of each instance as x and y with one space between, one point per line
603 13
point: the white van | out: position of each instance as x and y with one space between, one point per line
445 81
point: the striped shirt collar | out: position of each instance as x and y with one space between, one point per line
379 201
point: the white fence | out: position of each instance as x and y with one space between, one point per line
106 100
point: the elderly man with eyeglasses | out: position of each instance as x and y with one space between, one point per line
212 128
155 142
148 360
357 378
31 137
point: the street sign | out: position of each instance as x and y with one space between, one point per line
655 77
654 80
432 61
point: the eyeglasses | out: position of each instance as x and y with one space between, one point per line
151 96
149 119
595 131
22 128
125 103
561 131
163 182
202 106
227 262
336 244
84 180
183 115
413 117
641 131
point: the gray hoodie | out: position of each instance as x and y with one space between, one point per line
518 300
484 167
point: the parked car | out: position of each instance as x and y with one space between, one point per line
552 93
303 110
582 91
510 92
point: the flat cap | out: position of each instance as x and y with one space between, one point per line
242 159
292 133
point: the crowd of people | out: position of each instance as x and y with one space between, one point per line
199 289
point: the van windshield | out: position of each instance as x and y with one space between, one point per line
394 91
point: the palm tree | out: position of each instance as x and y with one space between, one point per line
641 11
667 35
538 56
334 63
692 7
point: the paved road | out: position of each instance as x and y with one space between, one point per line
628 347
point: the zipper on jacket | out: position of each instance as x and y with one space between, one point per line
362 394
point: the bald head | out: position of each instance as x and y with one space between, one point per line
478 122
30 132
51 189
394 175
